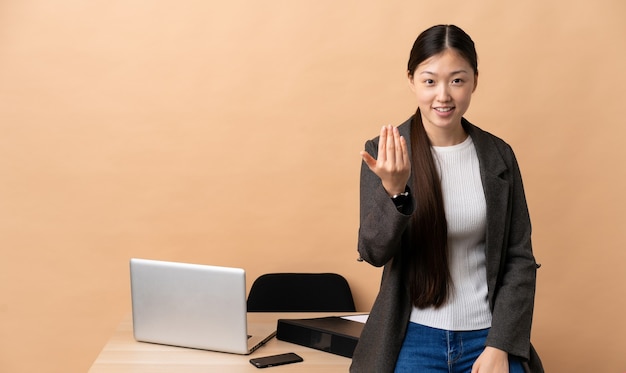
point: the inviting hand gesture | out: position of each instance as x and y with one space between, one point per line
393 165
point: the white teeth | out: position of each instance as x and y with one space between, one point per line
443 109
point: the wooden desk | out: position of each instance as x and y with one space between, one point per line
122 354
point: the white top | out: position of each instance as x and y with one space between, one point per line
467 307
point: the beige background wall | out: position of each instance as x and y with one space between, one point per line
228 133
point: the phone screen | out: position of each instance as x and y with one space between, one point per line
270 361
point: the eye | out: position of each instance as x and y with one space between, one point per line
457 81
429 82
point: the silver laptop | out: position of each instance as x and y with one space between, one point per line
192 305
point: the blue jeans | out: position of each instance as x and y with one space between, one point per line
431 350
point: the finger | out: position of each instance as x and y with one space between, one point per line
391 149
397 143
405 152
475 368
382 145
369 160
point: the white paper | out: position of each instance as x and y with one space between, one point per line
358 318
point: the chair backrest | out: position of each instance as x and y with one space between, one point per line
300 292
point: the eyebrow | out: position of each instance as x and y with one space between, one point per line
452 73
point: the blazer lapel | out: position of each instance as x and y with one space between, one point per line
496 189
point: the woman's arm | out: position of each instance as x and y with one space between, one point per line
384 172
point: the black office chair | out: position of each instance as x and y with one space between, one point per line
300 292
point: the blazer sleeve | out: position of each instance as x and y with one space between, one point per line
381 224
514 296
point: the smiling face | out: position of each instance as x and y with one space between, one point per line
443 86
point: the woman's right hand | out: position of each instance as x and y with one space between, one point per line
393 165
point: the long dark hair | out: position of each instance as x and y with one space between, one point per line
429 273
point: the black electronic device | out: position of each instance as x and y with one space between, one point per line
333 334
274 360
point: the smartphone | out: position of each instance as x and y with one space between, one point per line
271 361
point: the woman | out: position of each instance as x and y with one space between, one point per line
443 210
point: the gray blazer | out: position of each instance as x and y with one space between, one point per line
511 266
